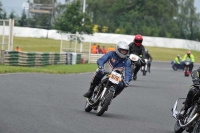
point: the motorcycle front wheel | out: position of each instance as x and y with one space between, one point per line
103 104
87 107
197 127
144 73
186 69
177 128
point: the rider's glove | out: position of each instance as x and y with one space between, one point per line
101 69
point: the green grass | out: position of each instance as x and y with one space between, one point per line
54 69
51 45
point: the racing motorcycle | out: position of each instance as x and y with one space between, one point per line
145 67
134 60
104 92
191 120
186 68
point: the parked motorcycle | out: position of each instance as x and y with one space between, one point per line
104 92
186 68
176 67
134 60
145 68
191 120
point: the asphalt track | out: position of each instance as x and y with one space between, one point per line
52 103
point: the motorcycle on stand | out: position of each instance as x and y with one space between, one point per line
104 92
134 60
186 68
191 120
145 67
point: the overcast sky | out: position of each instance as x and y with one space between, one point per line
16 5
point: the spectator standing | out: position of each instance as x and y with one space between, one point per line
94 49
99 50
104 50
111 48
18 49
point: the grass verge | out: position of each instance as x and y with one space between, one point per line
55 69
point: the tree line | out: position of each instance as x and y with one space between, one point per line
163 18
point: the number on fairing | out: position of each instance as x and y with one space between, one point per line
115 77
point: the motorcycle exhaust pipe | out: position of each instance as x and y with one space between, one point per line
91 104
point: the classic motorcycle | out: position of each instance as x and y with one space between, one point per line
191 120
176 67
104 92
144 68
134 60
186 68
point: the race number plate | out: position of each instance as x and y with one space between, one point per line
115 77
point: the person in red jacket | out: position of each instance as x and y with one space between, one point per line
104 50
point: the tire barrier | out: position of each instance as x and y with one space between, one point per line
15 58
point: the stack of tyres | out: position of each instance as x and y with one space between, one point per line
45 59
78 59
12 58
56 58
31 59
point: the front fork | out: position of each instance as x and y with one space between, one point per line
193 115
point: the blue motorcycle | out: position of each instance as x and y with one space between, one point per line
177 66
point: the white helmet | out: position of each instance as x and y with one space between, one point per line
124 46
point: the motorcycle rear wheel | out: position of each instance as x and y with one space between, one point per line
102 107
177 128
174 67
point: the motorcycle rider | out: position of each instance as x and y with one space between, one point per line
194 90
114 59
149 57
177 61
191 57
138 49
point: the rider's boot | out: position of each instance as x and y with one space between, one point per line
148 69
90 91
134 76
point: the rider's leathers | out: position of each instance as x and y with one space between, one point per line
111 60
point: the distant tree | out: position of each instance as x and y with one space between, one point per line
12 15
23 19
2 12
43 1
71 20
59 9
